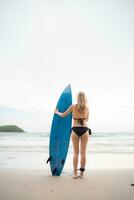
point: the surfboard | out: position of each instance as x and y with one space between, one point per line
60 134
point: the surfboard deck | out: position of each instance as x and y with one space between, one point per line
60 134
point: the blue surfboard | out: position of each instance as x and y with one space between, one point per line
60 134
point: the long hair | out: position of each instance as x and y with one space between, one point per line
81 102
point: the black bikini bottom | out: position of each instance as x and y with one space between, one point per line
80 130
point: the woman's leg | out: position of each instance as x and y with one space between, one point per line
83 147
75 141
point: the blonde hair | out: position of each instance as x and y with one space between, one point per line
81 102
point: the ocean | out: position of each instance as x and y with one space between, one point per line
115 143
31 150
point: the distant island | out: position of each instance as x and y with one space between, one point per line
10 128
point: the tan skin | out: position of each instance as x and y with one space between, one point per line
76 140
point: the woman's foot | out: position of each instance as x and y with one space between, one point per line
75 175
81 175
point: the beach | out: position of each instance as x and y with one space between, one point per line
40 185
24 173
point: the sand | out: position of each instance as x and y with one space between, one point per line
40 185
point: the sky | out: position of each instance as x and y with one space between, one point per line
45 45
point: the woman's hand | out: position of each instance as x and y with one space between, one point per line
63 114
55 111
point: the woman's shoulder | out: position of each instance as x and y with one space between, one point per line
87 108
73 106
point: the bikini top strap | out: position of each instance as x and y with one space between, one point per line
80 120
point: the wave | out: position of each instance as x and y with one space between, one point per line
39 142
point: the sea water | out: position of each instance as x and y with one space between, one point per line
39 142
32 149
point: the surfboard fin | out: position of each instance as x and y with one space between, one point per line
53 172
62 161
49 159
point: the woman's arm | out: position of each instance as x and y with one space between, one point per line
87 114
64 114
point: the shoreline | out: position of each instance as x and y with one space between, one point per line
37 161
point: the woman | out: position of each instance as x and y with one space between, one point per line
80 131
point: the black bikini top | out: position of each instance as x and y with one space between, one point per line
80 120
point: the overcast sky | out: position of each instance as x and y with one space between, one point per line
44 45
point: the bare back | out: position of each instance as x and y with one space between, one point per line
78 115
